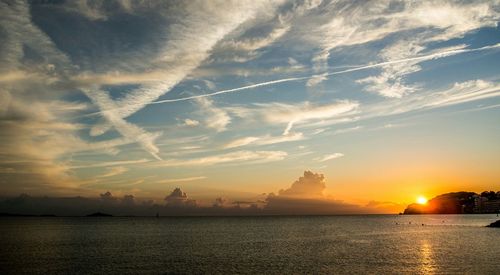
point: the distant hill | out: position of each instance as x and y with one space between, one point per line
494 224
458 203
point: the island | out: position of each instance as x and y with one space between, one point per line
488 202
494 224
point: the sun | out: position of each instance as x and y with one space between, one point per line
421 200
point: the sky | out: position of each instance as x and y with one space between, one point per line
365 104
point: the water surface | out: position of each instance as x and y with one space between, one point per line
381 244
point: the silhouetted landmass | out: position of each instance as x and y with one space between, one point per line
459 203
494 224
99 214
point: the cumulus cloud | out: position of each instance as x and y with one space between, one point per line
179 199
306 196
128 200
307 186
220 202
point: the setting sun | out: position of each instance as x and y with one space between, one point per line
421 200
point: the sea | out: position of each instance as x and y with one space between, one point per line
360 244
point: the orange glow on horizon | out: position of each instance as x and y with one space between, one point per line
421 200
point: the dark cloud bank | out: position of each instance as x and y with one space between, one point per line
304 197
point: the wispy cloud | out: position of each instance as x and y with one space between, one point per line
349 24
190 122
48 130
126 129
110 163
189 45
264 140
279 113
419 58
174 180
458 93
347 130
215 118
113 171
233 157
329 157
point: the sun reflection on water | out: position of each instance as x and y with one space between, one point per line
427 258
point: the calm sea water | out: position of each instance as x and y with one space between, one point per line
386 244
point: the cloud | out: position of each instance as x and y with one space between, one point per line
215 118
310 185
348 24
86 79
110 163
241 142
253 38
329 157
189 44
38 136
179 199
464 92
181 179
390 83
255 43
306 112
220 202
126 129
178 203
210 84
316 79
113 171
458 93
44 121
263 140
22 33
424 57
302 114
191 122
238 156
306 197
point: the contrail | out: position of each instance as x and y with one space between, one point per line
360 68
291 79
232 90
